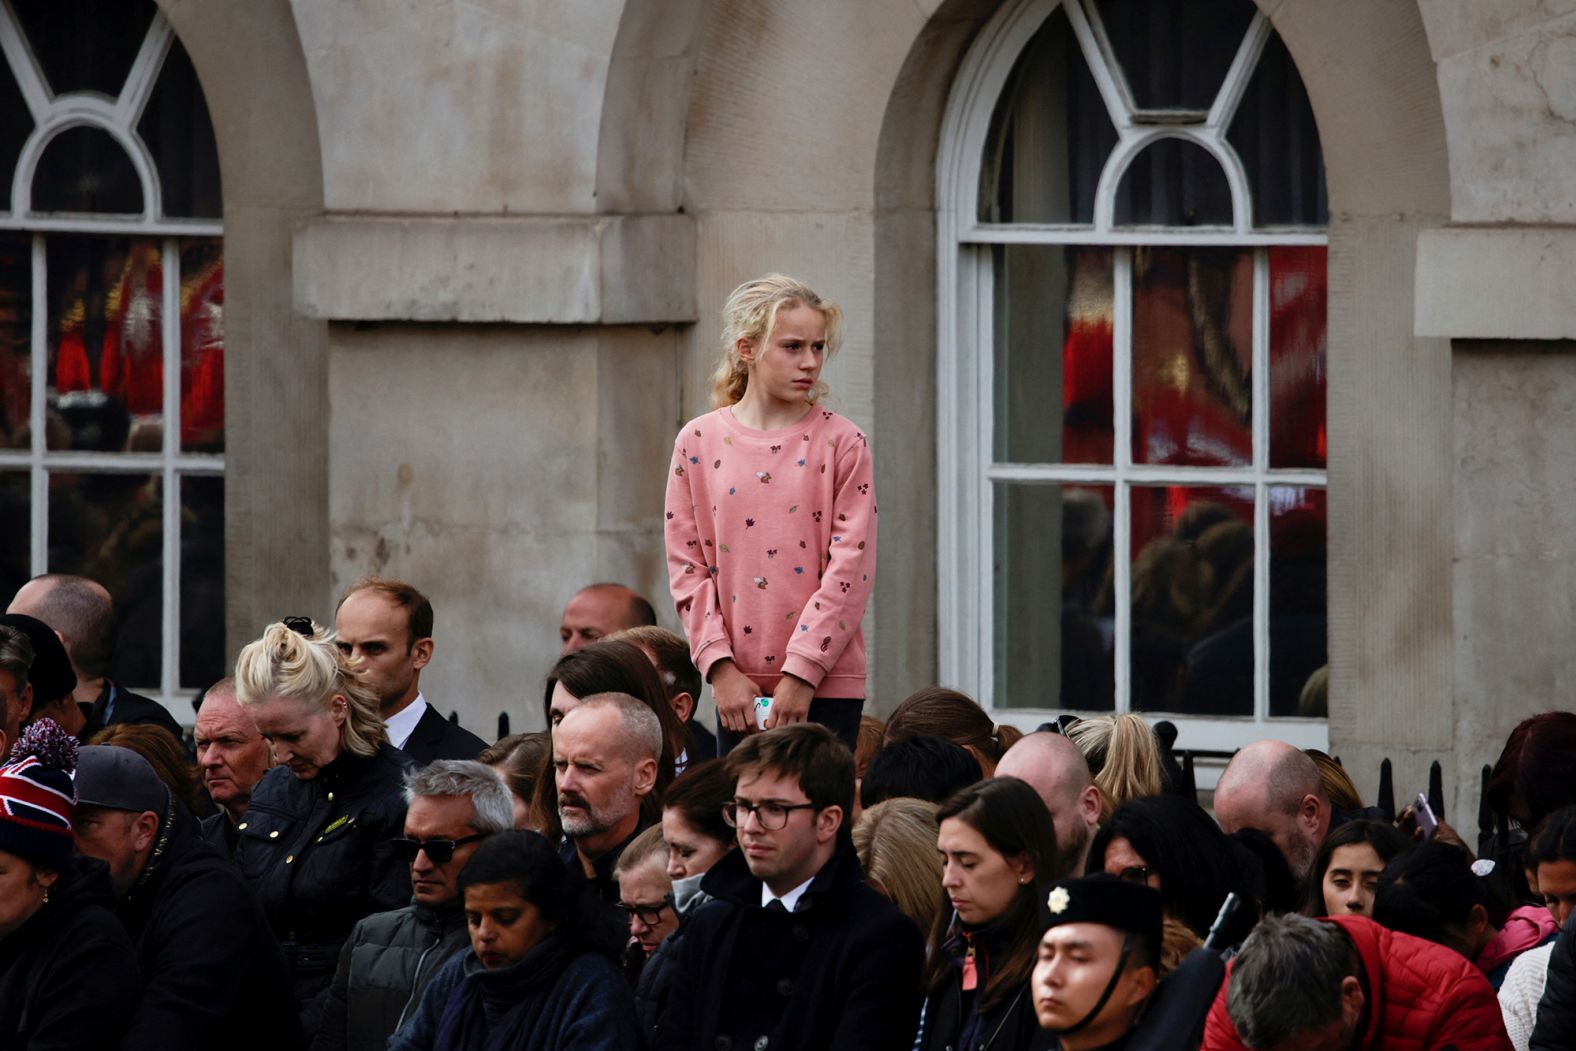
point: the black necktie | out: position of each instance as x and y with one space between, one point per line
776 905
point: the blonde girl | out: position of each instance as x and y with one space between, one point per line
771 521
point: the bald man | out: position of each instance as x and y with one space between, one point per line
1055 768
599 610
1275 788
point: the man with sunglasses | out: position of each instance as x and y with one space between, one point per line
452 805
797 951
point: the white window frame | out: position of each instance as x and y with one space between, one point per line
118 117
967 473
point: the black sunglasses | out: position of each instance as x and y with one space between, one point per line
440 851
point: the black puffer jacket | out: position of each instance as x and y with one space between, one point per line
69 977
840 973
383 969
207 954
319 854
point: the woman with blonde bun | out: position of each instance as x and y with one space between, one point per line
317 841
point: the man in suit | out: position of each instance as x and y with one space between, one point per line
388 624
82 614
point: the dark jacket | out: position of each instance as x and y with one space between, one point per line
69 976
220 833
656 977
556 999
320 855
951 1024
436 738
839 974
703 743
383 969
119 705
1556 1026
207 954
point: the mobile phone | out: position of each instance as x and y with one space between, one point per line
1425 816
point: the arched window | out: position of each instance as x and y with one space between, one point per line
1132 423
112 330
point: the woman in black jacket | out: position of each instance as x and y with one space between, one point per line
998 846
69 976
317 839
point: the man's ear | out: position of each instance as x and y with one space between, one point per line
145 826
683 706
827 821
1351 1000
1090 803
420 653
645 777
1310 809
1142 985
27 699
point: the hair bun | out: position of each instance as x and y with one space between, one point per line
49 744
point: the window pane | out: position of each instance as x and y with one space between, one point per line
1192 356
84 170
16 516
84 45
1192 600
176 128
16 124
1049 137
202 346
202 581
1053 540
1175 54
1298 293
1174 183
106 344
110 527
16 330
1274 134
1298 635
1053 354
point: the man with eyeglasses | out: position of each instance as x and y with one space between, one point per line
452 805
797 951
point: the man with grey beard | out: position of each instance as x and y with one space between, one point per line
605 762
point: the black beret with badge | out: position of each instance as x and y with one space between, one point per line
1116 903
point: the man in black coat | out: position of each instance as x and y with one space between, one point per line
214 974
388 624
83 614
797 952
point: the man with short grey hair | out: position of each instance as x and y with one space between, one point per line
386 963
605 755
1344 983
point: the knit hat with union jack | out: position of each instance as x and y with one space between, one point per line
38 800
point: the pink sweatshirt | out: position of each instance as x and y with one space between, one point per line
771 541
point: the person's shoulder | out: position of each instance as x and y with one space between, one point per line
836 425
700 427
135 708
384 928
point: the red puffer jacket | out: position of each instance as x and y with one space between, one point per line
1420 996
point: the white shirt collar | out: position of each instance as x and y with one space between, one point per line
403 722
790 900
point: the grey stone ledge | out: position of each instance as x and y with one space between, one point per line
1496 283
548 270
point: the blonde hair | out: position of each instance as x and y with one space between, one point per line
1124 757
1336 782
311 669
649 846
751 314
896 844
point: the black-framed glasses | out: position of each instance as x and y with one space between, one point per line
1135 874
650 915
299 625
772 816
439 851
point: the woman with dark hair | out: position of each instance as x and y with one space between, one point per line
541 972
1547 974
608 666
1346 869
998 849
1530 780
939 712
1433 892
1171 844
697 838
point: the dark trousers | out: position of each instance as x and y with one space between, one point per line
839 715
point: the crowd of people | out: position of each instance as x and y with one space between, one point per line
334 865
